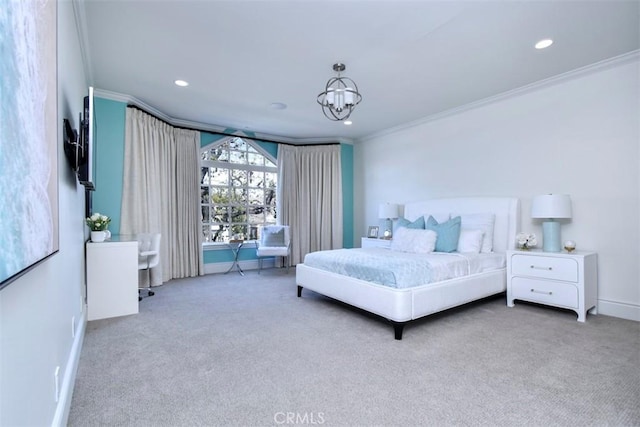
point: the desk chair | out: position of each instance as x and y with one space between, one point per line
148 255
275 240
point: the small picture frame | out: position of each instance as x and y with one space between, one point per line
373 232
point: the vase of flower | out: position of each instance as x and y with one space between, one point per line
526 241
98 236
98 224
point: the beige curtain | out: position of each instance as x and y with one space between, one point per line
310 197
161 192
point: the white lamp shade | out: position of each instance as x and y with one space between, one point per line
551 206
388 210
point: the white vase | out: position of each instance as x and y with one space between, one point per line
98 236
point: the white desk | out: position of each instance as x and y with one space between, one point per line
112 278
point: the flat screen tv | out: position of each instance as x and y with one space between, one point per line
86 166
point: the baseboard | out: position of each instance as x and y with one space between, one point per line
61 415
223 267
619 309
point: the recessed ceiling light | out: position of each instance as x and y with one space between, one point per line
348 122
181 83
278 106
542 44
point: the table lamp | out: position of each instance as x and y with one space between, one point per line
551 207
388 211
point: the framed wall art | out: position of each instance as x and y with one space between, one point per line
28 136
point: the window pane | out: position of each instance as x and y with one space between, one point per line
216 153
238 231
253 232
219 232
204 195
270 197
256 179
238 144
271 180
204 176
256 215
219 195
255 159
269 163
220 214
238 157
270 215
238 214
219 176
256 197
239 196
204 217
238 178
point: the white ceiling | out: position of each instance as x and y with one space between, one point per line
410 59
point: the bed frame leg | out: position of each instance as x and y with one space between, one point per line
397 329
299 291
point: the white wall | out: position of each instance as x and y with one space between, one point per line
577 135
36 311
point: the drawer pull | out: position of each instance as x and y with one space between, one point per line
541 268
542 292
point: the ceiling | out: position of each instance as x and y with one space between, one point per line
410 59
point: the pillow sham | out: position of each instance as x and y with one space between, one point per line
470 241
414 240
403 222
448 233
480 221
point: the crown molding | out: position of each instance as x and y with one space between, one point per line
541 84
131 100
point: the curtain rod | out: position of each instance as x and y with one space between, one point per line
225 133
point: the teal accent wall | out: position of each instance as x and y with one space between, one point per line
110 119
346 159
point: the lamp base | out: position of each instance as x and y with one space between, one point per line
551 236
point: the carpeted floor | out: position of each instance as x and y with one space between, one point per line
226 350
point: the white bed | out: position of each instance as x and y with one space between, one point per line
403 305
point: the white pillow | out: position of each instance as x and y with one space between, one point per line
480 221
414 240
470 241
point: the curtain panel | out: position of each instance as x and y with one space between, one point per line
309 197
161 192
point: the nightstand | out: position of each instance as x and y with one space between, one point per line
566 280
368 242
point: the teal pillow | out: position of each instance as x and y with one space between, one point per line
403 222
448 233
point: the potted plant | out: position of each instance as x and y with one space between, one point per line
98 224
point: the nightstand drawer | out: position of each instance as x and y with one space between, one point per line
545 292
545 267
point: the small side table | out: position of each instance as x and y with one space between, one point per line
235 246
560 279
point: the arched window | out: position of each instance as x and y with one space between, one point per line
238 189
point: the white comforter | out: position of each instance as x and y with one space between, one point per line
402 269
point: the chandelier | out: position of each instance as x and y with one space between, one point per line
340 96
